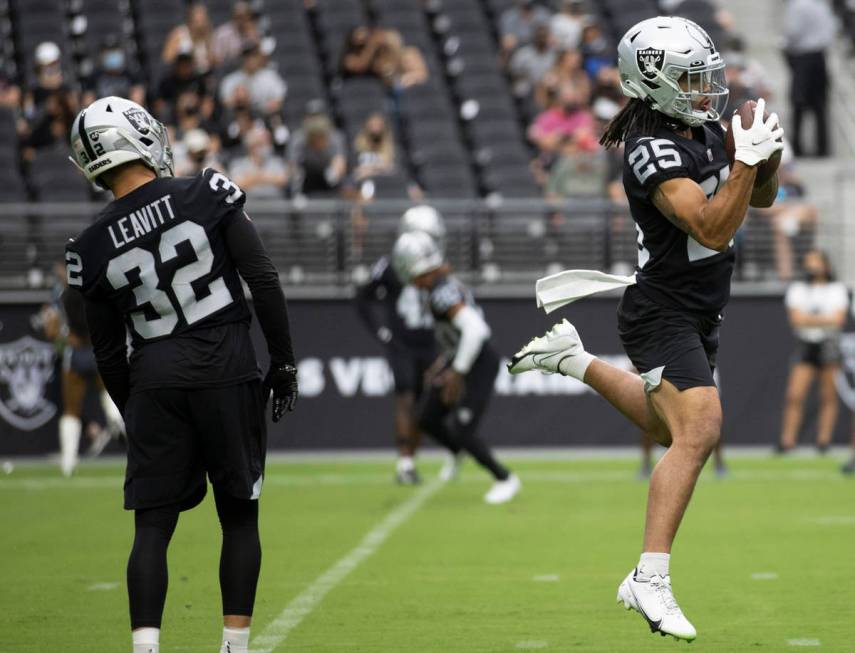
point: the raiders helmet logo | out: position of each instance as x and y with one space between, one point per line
650 62
26 366
139 119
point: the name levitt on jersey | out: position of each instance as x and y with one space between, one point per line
142 221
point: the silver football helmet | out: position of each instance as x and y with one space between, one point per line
112 131
423 218
671 62
415 253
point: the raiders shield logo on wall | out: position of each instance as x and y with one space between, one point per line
649 61
26 366
139 119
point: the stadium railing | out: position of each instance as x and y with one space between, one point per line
325 246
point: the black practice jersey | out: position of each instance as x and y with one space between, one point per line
404 312
447 293
159 257
673 268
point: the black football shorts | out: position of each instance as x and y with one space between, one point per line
819 354
409 365
177 436
655 336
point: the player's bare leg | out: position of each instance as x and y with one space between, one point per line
693 417
800 381
406 436
828 408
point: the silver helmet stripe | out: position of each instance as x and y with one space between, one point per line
84 138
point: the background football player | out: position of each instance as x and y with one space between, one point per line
164 260
404 326
687 203
461 381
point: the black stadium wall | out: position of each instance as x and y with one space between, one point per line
346 385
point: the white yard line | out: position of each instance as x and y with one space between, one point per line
309 599
764 575
804 642
532 644
102 587
546 578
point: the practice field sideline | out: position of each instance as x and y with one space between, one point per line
353 563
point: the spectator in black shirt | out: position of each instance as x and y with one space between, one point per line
182 76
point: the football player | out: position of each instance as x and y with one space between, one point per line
163 262
687 203
461 380
404 327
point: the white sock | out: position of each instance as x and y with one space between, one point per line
69 440
235 640
576 365
406 464
146 640
653 564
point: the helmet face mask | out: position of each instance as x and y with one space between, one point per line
113 131
672 64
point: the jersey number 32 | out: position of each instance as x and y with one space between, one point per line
146 292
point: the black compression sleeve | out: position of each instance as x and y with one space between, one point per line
109 341
256 268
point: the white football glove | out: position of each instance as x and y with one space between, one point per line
760 141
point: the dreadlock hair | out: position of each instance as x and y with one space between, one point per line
636 117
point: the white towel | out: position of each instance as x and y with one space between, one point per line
560 289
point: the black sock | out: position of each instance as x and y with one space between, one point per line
240 557
147 572
480 451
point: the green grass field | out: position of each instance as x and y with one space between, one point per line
765 561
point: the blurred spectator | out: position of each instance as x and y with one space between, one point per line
382 53
315 108
195 37
374 148
581 169
567 69
554 127
791 212
817 310
517 24
50 123
266 87
232 37
238 120
49 76
530 63
317 163
566 25
114 74
809 29
190 114
181 78
746 79
598 54
10 93
194 153
261 173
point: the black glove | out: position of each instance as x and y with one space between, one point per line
282 380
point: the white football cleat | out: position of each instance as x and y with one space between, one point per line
451 467
503 491
546 352
655 601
